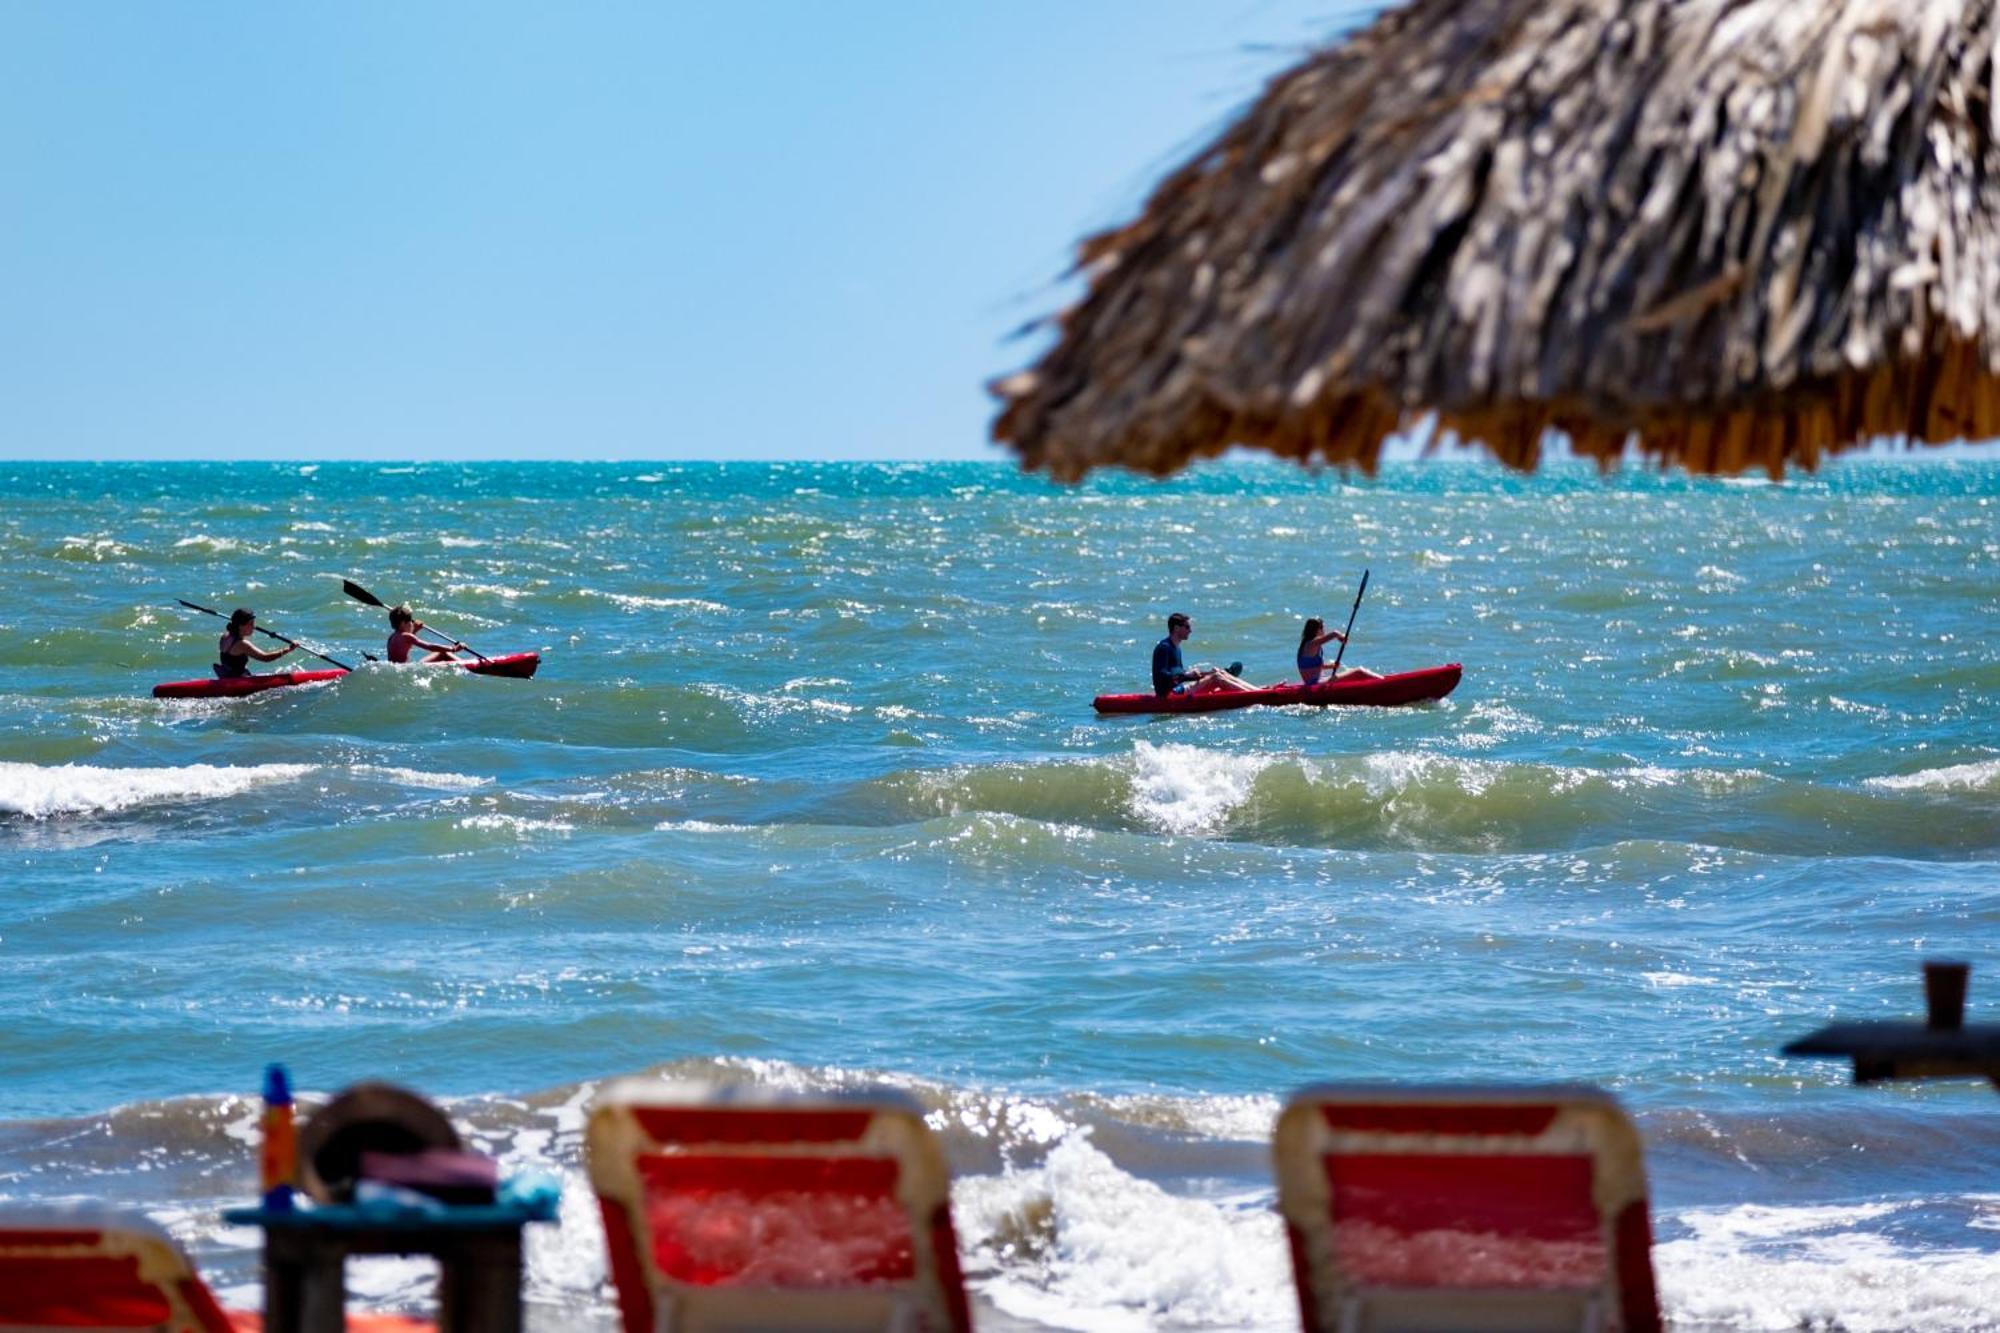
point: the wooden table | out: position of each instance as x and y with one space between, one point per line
477 1246
1884 1050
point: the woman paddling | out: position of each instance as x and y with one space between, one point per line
235 650
403 639
1312 654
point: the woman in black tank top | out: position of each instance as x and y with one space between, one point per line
234 651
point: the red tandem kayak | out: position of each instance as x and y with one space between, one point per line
1406 687
518 665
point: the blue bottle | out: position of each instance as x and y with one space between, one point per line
278 1161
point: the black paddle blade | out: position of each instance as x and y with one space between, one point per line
360 594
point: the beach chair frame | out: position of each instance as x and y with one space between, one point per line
635 1122
108 1249
1484 1121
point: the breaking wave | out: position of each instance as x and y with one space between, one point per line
1753 1266
44 791
1084 1211
33 791
1980 778
1427 801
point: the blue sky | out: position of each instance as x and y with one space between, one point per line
442 230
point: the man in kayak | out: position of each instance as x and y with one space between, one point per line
234 651
403 640
1170 673
1312 655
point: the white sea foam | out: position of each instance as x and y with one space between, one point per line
1672 980
1246 1118
1390 773
519 825
1075 1242
499 590
96 548
209 543
1007 1120
1759 1267
566 1262
1503 719
412 777
812 683
1976 777
752 705
1184 789
632 601
38 791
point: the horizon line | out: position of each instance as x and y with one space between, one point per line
1959 451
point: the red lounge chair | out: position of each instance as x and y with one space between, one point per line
733 1209
1511 1210
100 1268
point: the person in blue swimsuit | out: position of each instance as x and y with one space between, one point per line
1312 654
1171 674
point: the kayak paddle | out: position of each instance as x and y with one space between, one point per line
210 611
1334 671
361 594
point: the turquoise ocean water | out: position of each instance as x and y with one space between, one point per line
809 793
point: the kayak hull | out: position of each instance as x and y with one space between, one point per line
518 666
515 666
214 688
1406 687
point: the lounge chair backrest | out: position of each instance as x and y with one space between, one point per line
1519 1210
732 1210
98 1269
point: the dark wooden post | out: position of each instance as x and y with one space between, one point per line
1944 1045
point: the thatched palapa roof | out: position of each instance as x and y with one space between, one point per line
1745 232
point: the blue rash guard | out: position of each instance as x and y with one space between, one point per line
1168 668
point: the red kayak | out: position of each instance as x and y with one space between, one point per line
1407 687
518 665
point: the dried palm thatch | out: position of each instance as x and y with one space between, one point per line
1739 232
